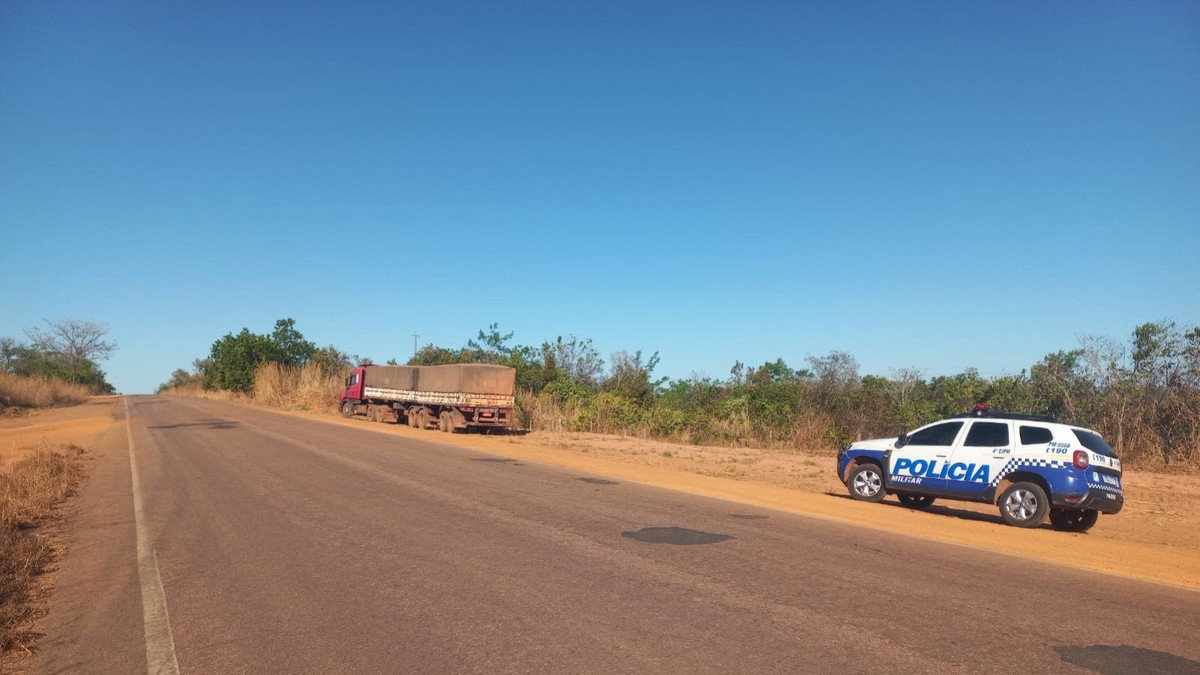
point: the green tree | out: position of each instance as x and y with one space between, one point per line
291 347
630 377
233 359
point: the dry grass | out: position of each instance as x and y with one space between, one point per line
17 391
195 390
29 495
307 388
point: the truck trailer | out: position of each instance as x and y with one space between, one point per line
450 398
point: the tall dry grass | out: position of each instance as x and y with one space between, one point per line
307 388
18 391
29 494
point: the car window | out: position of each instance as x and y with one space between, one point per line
987 435
1094 443
938 434
1036 435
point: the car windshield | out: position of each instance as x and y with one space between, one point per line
1094 443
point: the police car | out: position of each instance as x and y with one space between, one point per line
1027 465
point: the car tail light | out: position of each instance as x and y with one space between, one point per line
1080 459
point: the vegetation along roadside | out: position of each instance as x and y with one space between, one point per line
1142 394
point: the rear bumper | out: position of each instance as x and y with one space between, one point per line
1104 501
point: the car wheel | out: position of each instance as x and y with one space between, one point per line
1073 520
1024 505
915 501
866 483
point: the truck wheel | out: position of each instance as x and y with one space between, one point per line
866 483
422 420
1073 520
412 417
347 409
446 422
1024 505
915 501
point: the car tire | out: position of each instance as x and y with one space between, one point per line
1024 504
915 501
1073 520
866 483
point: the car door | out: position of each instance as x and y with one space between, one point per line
984 449
920 461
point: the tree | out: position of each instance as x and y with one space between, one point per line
293 350
333 361
837 371
78 343
489 347
429 355
234 358
576 359
179 378
630 377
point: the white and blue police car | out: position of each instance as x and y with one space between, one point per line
1029 466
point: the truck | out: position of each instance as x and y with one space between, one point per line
449 398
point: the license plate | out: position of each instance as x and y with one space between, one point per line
1110 480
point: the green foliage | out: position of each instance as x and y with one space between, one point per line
17 358
563 390
630 378
180 378
609 412
430 355
233 359
291 349
1144 396
333 361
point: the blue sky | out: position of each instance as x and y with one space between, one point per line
929 185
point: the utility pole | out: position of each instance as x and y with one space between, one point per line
415 336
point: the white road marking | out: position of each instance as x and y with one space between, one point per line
160 645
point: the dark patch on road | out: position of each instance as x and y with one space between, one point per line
1110 660
499 460
598 481
207 424
747 516
677 536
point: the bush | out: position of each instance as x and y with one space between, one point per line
39 392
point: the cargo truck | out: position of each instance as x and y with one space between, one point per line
450 398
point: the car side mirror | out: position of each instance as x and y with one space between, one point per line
902 440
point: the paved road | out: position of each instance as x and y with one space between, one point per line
285 545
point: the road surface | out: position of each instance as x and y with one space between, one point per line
256 542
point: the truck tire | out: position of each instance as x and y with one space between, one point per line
866 483
1073 520
446 422
1024 504
347 409
422 419
412 417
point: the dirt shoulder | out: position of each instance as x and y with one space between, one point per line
50 428
1155 538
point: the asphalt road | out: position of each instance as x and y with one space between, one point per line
278 544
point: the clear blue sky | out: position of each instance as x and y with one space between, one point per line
932 185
